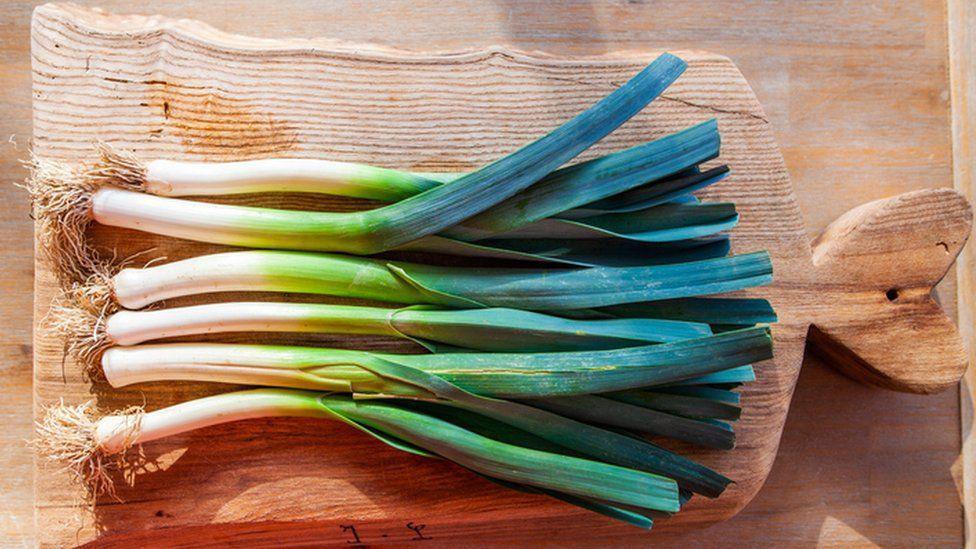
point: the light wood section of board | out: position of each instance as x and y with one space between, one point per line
853 124
962 55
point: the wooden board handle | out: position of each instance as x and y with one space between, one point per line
878 264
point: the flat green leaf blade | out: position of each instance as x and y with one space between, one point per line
512 330
504 432
664 223
674 190
596 287
385 438
607 446
737 311
617 413
738 375
567 474
488 250
683 404
604 252
531 375
439 208
619 252
617 513
595 179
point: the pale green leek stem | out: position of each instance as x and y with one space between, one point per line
179 178
133 327
264 270
114 434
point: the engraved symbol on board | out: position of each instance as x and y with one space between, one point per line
418 529
351 529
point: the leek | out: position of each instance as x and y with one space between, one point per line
586 439
651 167
181 178
502 375
557 192
68 211
88 332
401 282
88 442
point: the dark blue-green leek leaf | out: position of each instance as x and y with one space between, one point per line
711 393
586 288
619 413
437 209
514 330
715 403
604 445
677 189
663 223
738 375
607 252
597 179
538 375
617 252
684 199
575 476
736 311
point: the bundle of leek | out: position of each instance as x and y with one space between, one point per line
579 359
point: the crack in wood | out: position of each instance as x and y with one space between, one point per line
711 108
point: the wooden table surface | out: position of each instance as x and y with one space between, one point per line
858 97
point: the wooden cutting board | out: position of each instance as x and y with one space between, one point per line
169 88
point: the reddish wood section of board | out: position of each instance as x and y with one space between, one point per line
169 88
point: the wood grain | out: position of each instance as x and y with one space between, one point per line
879 263
181 89
962 56
178 88
832 77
